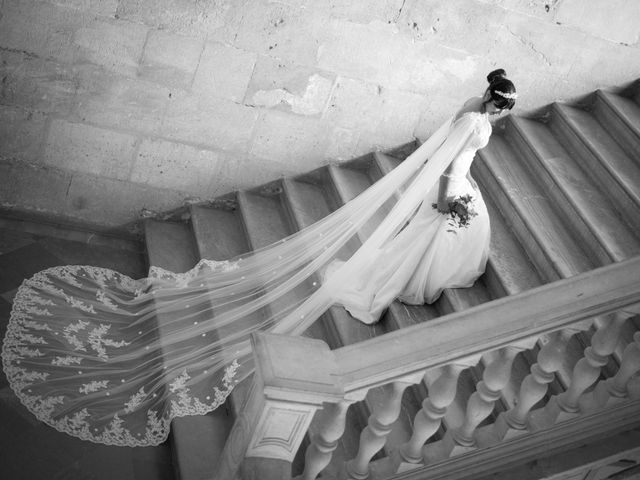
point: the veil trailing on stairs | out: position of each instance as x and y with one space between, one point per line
109 359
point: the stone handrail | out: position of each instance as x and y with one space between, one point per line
297 376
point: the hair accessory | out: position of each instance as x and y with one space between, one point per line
510 96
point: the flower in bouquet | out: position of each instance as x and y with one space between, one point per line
460 213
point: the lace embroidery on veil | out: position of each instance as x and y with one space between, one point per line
113 360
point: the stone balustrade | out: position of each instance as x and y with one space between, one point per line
297 377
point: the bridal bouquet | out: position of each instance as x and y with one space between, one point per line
460 212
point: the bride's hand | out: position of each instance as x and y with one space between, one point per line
443 206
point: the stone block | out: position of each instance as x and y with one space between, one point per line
542 9
393 59
84 148
438 108
111 202
359 12
83 198
251 171
427 68
181 16
291 138
170 59
354 104
288 86
40 28
613 20
277 30
105 8
21 133
36 84
215 123
115 45
380 47
452 27
223 72
535 43
602 64
173 165
111 100
342 144
398 116
33 187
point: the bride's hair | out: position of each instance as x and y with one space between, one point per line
501 89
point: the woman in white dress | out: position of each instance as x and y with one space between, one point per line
113 360
434 251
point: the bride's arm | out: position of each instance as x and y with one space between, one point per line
443 204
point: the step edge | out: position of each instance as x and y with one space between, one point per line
597 155
601 250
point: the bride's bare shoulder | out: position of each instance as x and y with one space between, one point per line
470 106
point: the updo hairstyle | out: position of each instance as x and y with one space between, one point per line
498 82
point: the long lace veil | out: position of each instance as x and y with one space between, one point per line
109 359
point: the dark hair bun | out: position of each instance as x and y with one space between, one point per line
496 75
501 89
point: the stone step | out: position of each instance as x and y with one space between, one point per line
553 249
604 201
264 218
558 251
385 163
509 268
620 117
600 155
220 235
587 209
219 232
170 245
312 197
196 441
351 180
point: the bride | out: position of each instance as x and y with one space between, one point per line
434 252
113 360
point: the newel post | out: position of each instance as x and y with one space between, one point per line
294 376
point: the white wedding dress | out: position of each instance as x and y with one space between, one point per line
113 360
430 253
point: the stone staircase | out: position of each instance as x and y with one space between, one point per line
563 193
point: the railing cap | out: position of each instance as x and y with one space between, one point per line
296 368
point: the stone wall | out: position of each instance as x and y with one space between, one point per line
108 107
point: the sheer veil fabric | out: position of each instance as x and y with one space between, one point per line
113 360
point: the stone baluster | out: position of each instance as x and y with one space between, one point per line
614 389
586 371
534 387
481 403
374 435
428 419
325 440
